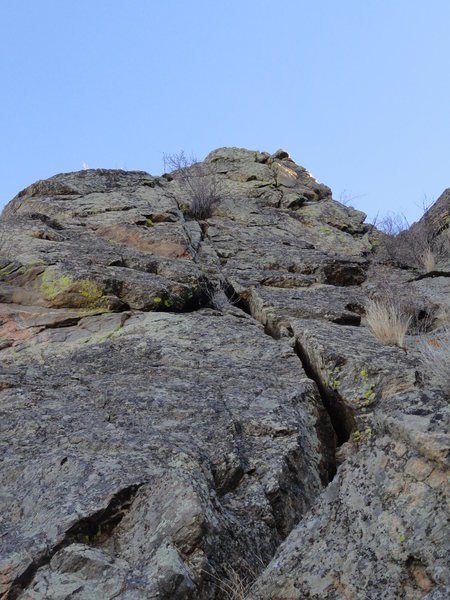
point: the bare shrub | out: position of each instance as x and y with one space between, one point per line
201 181
421 245
393 245
424 314
387 320
347 198
435 356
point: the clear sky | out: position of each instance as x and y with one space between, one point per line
357 91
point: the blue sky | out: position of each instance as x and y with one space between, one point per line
358 91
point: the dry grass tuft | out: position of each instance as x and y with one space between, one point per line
388 321
435 357
423 246
236 585
429 260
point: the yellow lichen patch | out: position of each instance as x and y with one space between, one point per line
158 301
62 290
53 284
6 271
89 290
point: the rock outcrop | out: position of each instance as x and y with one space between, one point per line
198 409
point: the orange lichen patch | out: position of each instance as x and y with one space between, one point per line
395 387
423 581
130 236
343 590
435 343
11 330
170 250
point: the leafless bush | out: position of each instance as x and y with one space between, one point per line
387 320
419 246
435 357
347 198
385 286
201 181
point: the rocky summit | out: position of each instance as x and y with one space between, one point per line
196 401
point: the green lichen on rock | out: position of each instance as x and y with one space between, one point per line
89 290
325 230
158 302
7 270
53 284
100 338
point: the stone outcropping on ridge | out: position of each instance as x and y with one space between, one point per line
188 403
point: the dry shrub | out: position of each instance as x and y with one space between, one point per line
387 320
200 180
421 246
385 287
435 357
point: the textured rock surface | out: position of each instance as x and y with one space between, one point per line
159 441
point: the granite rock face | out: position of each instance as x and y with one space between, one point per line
198 409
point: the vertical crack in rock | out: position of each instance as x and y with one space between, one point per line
336 421
341 416
90 530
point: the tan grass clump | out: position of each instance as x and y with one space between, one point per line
429 260
388 321
435 357
236 585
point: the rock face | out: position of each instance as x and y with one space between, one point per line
198 409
